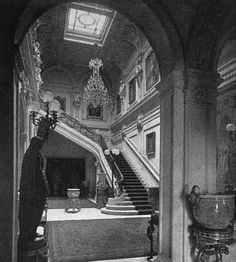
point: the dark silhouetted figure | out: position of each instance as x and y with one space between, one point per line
33 191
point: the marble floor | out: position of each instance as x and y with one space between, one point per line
83 214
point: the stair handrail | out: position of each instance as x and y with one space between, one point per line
112 163
62 124
142 158
119 180
67 119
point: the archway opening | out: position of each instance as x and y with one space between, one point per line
115 68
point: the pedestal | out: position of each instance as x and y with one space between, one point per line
73 202
209 243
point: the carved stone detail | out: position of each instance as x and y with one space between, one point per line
198 95
202 88
37 57
140 123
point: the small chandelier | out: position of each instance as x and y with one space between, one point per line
95 92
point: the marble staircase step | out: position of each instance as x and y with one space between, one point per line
121 207
119 212
136 189
133 186
142 192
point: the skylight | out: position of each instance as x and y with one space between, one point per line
88 24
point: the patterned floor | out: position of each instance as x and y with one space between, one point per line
90 230
98 239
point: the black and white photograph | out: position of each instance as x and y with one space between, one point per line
118 131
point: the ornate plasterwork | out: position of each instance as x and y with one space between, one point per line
37 59
198 95
123 89
25 85
138 68
203 35
202 88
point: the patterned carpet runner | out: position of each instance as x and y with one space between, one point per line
133 187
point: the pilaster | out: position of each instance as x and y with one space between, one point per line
171 165
188 153
199 139
200 129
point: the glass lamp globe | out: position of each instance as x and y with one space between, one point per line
33 107
230 127
107 152
47 97
54 106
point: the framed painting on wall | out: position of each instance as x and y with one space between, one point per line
152 71
151 144
94 112
132 91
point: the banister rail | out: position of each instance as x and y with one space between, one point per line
99 139
118 175
78 126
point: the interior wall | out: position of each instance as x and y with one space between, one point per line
63 85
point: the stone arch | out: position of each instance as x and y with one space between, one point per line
162 36
228 33
207 37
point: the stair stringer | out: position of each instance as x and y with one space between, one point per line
86 143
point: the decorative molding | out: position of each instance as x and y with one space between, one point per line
25 84
123 90
228 74
37 58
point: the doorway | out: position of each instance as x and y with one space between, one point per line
63 173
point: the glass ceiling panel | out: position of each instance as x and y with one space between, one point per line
88 24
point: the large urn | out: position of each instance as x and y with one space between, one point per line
73 202
212 211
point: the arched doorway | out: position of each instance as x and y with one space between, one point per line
163 46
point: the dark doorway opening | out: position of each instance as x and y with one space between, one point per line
63 173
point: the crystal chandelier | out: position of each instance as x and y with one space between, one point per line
95 92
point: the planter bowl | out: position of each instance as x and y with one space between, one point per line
73 192
214 211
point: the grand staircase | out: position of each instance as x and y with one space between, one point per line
135 198
134 201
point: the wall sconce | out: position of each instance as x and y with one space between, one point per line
52 108
231 129
139 123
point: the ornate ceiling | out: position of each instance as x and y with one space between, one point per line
122 41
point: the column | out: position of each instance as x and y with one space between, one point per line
188 154
171 167
200 139
200 130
